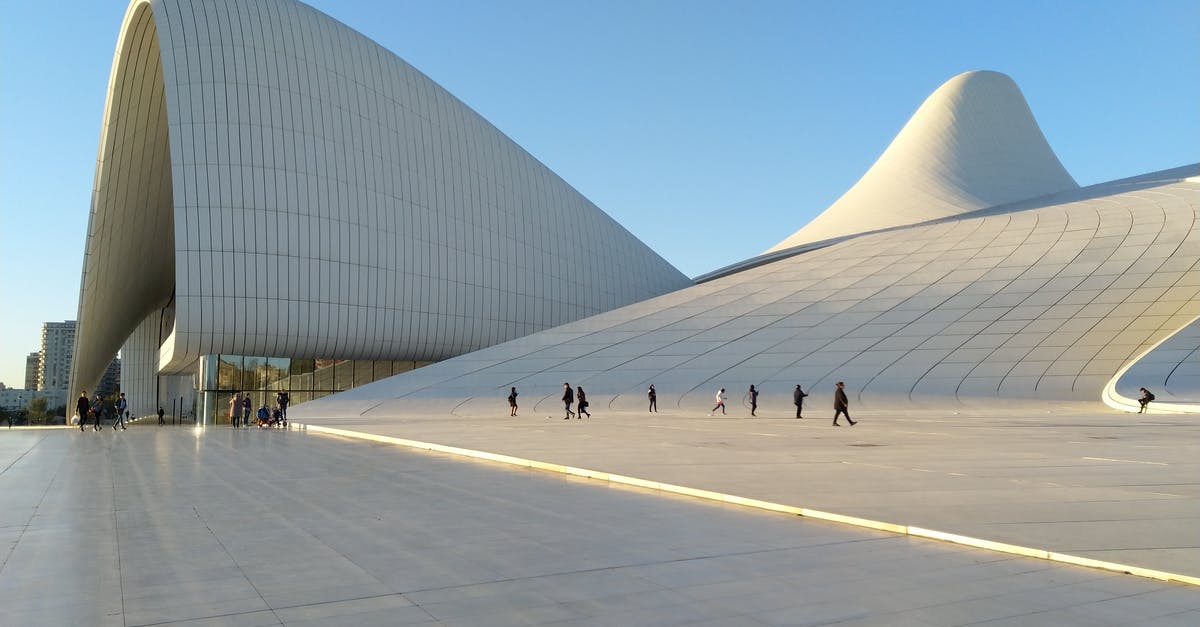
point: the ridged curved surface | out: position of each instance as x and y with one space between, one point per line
1038 302
270 182
972 144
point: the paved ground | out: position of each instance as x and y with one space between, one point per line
172 526
1122 488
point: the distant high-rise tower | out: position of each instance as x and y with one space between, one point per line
58 344
110 383
33 364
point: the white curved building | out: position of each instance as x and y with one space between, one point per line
972 144
270 182
964 291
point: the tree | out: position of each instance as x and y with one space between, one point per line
38 414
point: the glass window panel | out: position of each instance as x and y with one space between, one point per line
229 372
277 372
323 378
254 373
343 375
363 373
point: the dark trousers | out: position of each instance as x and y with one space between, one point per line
841 411
798 408
653 404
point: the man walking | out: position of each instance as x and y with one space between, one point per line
160 416
798 400
653 396
840 404
568 397
122 405
753 394
82 406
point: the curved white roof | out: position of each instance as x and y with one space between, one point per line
271 182
1044 301
972 144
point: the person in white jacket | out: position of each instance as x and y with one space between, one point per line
720 402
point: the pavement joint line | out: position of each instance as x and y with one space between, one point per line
908 530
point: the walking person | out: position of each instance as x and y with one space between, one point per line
583 403
841 404
122 413
753 394
98 410
246 411
512 402
568 397
235 409
798 400
82 407
720 403
160 416
1144 399
653 396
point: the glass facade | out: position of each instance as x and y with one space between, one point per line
223 376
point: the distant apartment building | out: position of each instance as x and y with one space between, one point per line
58 345
33 365
110 383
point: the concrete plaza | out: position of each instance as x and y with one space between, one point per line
172 525
1076 479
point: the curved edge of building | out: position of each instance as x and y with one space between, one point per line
972 144
1038 304
270 182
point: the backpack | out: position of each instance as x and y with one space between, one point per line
1149 396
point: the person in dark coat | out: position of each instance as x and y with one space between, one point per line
160 416
753 394
98 410
653 396
798 400
81 407
512 402
581 398
840 404
568 397
1144 399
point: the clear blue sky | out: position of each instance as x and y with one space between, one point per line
711 130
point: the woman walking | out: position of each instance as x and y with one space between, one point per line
583 403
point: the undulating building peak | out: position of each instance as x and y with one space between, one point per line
973 143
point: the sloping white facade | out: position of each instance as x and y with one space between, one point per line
972 144
270 182
965 291
1035 303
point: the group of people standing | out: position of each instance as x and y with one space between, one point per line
571 396
240 408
